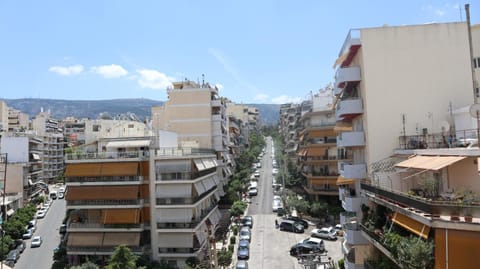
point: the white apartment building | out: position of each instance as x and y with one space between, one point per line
394 82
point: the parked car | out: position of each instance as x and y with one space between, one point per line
61 195
63 229
36 242
325 233
276 205
252 191
245 233
241 264
247 221
243 251
338 230
297 219
41 214
12 257
20 245
28 234
314 242
291 226
301 248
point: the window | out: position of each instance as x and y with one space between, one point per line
477 92
130 126
474 62
96 128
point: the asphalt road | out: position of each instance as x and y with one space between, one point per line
47 228
270 247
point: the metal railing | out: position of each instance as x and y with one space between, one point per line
105 202
107 155
106 179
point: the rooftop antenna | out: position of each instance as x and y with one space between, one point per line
203 80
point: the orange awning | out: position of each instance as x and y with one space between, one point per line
121 216
83 170
412 225
120 169
115 239
102 193
321 133
430 162
344 181
85 239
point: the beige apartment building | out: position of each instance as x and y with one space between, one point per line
395 88
476 56
317 158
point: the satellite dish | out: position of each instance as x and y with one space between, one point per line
475 110
445 126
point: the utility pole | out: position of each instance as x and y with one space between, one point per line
3 163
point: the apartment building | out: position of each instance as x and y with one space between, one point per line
289 123
317 152
25 165
108 199
74 131
3 116
17 121
395 87
51 134
198 115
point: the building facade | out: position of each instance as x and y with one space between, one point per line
394 92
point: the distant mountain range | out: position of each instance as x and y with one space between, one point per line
61 109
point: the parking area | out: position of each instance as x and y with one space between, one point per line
270 247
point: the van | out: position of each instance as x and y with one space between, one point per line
291 226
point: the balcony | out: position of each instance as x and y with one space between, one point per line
350 200
337 91
433 207
346 109
107 203
350 47
126 179
353 235
216 103
351 170
346 75
351 139
107 155
165 226
186 200
350 260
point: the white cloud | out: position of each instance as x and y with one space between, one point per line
153 79
109 71
67 70
261 97
283 99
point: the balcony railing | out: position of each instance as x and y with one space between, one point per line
184 175
436 206
95 223
176 152
95 250
107 155
106 179
186 200
104 202
186 225
463 138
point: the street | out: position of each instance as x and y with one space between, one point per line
270 247
47 228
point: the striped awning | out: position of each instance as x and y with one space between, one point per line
430 162
412 225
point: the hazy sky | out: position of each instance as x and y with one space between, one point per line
255 51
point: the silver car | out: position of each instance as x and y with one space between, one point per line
245 234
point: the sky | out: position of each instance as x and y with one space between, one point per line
254 51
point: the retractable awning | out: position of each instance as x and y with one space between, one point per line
430 162
412 225
345 181
128 144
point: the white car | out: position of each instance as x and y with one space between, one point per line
252 191
325 233
276 205
36 242
274 171
41 214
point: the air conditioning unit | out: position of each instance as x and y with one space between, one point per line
425 131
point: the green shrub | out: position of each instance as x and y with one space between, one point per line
230 248
341 264
233 239
235 230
